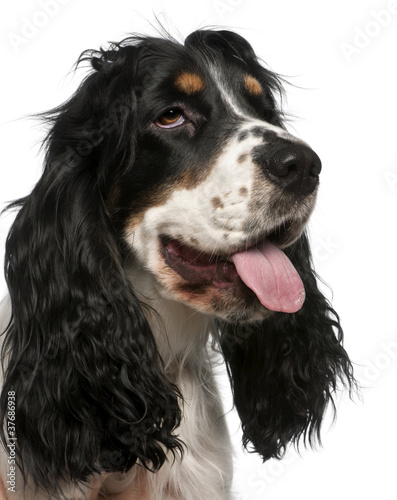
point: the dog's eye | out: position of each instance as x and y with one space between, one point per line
173 117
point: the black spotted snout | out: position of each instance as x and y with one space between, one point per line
293 167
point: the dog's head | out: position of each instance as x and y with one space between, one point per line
172 157
216 185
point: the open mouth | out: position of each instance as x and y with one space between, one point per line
264 268
197 267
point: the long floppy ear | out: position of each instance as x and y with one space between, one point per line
285 370
80 356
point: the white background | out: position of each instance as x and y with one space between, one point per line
341 57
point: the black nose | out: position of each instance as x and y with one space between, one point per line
295 168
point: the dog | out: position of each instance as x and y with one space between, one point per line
168 227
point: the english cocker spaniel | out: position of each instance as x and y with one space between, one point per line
169 224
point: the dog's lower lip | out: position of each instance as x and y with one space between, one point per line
197 267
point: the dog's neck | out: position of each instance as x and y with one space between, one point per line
181 333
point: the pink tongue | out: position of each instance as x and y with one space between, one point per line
270 274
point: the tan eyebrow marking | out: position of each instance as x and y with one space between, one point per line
189 83
252 85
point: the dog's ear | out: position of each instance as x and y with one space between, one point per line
285 370
80 356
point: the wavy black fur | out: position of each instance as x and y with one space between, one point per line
285 370
80 355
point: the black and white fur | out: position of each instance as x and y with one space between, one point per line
108 347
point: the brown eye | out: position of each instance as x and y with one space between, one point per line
171 118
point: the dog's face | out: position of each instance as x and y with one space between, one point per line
215 176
